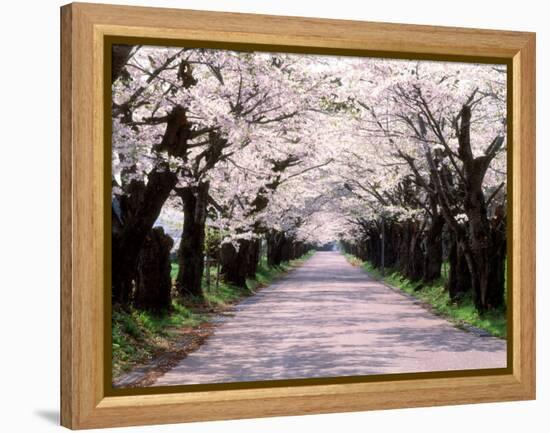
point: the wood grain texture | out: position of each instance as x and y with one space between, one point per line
83 400
67 394
524 214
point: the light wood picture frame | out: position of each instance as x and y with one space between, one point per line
86 29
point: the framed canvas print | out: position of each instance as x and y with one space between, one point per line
269 216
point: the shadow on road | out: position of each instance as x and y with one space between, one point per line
329 319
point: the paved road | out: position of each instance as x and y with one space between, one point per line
328 318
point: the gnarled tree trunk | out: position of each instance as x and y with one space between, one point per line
133 217
415 260
253 259
459 282
498 258
275 242
153 281
433 257
191 248
487 286
235 262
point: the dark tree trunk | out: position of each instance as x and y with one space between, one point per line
433 257
286 249
191 249
373 247
487 287
254 258
495 297
410 259
487 243
486 259
239 265
415 261
135 212
479 262
404 242
459 282
133 217
275 241
121 54
153 281
298 250
390 242
235 262
363 249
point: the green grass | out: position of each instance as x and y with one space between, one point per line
223 295
459 313
138 335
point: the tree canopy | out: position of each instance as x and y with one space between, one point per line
311 149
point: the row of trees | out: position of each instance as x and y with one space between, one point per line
208 137
437 187
403 162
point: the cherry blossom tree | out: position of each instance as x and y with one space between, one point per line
426 122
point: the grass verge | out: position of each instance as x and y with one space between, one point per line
140 336
459 313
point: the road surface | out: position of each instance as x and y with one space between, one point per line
328 318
